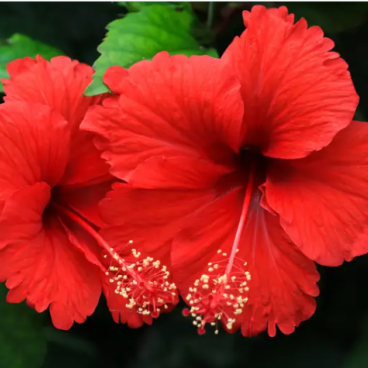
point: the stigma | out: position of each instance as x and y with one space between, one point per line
144 283
219 295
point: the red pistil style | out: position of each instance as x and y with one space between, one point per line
143 283
221 296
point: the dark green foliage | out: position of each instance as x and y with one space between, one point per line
22 339
340 18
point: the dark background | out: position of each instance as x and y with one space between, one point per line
335 337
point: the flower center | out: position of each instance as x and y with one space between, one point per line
143 282
250 160
220 295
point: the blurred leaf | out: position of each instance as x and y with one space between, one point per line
60 357
306 347
134 6
358 358
142 35
20 46
332 19
201 6
163 347
22 341
70 342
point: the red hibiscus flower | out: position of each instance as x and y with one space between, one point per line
51 180
243 170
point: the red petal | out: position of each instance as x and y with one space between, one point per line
84 242
41 265
85 165
84 200
34 146
21 218
59 84
159 214
171 107
17 67
297 94
323 199
177 173
113 78
283 279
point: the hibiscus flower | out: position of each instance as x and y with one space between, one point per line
243 170
51 180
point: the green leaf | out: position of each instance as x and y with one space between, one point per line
22 341
142 35
20 46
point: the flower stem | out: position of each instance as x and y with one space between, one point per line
82 223
211 14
